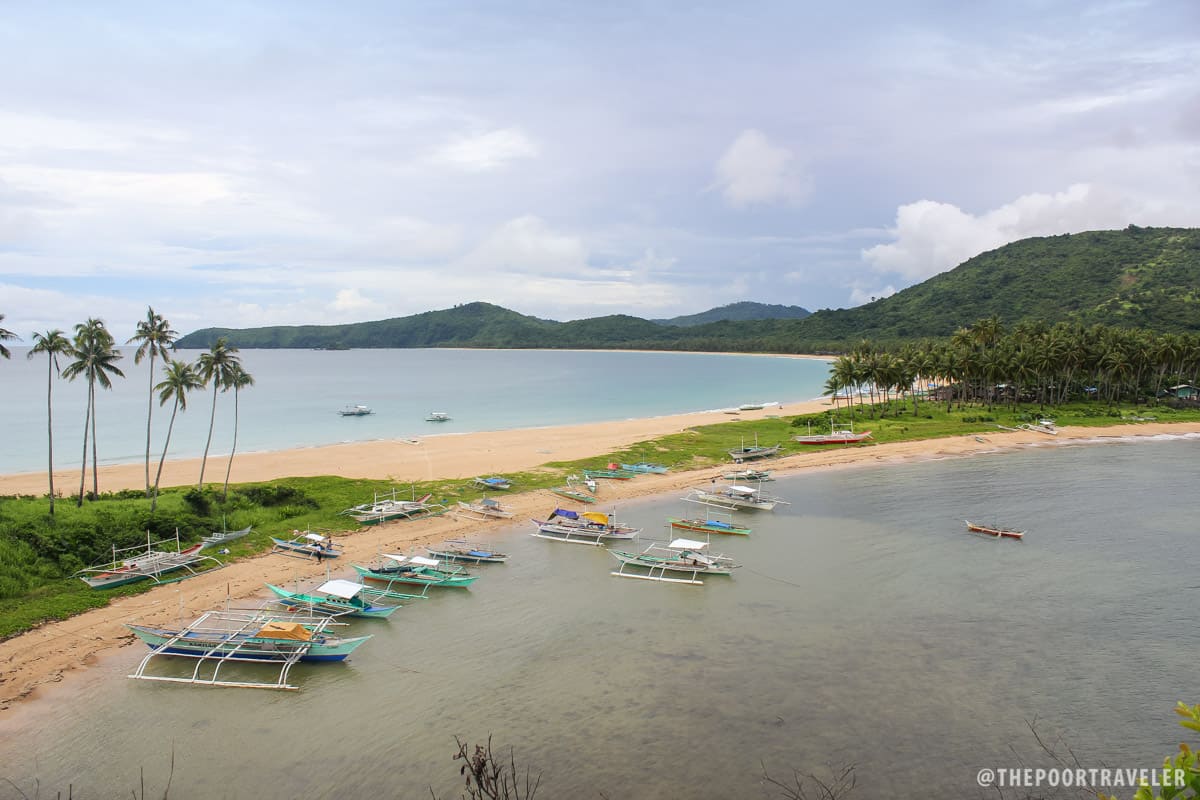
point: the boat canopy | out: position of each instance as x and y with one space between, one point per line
314 537
742 490
340 588
566 513
423 561
596 516
285 630
687 544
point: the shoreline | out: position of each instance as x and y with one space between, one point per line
31 663
437 456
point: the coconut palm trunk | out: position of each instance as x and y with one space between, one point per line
163 458
87 421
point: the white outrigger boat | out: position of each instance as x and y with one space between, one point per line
307 544
683 559
222 537
152 561
487 508
219 638
461 550
735 497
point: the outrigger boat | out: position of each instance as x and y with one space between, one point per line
217 638
460 550
748 475
682 557
389 507
394 568
609 474
707 526
486 508
994 531
307 545
132 564
356 411
222 537
735 497
495 482
835 435
589 527
571 493
336 597
643 466
1041 426
438 416
745 453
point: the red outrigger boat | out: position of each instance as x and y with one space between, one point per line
991 531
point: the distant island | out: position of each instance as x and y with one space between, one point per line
1134 278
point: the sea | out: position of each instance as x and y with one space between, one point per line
865 629
297 395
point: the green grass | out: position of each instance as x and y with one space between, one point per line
39 554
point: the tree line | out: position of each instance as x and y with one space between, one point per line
988 364
92 355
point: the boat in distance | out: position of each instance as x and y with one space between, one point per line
356 411
307 544
992 530
438 416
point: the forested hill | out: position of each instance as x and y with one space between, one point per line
738 312
1137 277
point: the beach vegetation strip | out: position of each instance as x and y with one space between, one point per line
40 554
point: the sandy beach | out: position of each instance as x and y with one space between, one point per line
34 662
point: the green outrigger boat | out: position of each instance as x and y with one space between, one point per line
414 570
336 597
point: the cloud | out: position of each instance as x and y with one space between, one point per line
932 237
528 245
859 293
753 171
488 151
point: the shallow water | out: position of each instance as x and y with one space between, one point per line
866 627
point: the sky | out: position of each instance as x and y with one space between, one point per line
259 163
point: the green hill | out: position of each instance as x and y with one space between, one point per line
744 310
1138 277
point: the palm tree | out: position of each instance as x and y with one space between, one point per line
6 335
238 379
53 344
95 357
215 368
155 338
181 379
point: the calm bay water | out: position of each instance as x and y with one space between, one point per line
297 395
865 627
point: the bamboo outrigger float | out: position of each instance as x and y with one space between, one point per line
1007 533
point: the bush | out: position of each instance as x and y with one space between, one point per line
278 495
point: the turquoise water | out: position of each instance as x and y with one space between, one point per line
297 395
866 627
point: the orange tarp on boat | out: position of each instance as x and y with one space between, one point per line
285 630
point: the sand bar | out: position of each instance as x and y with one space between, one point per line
35 661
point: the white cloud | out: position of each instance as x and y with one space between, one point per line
488 151
352 300
754 171
860 294
931 237
528 245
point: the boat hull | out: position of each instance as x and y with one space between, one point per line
417 578
707 526
332 606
